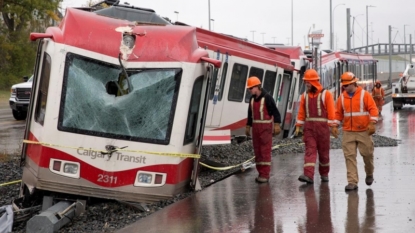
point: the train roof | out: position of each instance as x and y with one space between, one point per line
344 56
172 42
102 34
134 14
295 52
241 48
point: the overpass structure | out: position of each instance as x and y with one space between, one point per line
392 58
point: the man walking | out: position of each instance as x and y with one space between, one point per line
315 115
262 113
359 114
378 94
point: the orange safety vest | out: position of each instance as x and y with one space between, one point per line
324 96
378 93
356 112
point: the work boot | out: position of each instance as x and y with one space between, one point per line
350 187
304 178
369 180
261 180
324 179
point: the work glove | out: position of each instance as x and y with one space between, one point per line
371 129
335 131
277 128
248 131
297 130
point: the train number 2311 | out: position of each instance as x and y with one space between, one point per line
107 179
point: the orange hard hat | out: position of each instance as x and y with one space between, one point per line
310 75
348 78
252 82
377 81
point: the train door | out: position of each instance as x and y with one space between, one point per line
37 107
200 97
216 104
283 93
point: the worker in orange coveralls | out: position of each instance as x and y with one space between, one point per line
357 110
265 120
378 94
316 116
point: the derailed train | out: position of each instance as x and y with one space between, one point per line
122 101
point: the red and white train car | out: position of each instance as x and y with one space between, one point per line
119 108
228 97
334 64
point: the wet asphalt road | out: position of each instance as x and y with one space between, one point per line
239 204
11 132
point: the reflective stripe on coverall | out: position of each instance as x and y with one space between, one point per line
261 137
316 136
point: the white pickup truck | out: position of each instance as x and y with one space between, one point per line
19 99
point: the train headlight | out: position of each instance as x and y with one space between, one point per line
150 179
65 168
70 168
145 178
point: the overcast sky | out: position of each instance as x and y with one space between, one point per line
273 18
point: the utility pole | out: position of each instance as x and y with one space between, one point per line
390 56
404 41
367 27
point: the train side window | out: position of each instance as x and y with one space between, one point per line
213 84
42 95
278 89
238 83
191 124
269 82
253 72
222 80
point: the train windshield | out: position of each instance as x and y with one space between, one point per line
103 100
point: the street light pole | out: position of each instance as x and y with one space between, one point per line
213 24
332 31
292 22
209 12
263 33
177 15
253 36
367 27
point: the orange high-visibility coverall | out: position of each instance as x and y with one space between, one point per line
316 113
356 112
379 96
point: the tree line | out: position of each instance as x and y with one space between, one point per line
18 19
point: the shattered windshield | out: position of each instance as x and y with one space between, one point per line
97 100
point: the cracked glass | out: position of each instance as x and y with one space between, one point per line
97 100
